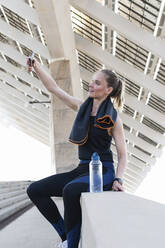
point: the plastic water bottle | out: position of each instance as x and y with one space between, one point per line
95 174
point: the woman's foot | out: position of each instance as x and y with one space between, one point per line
63 244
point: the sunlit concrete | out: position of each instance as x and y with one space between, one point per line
119 219
30 230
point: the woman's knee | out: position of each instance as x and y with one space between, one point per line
71 191
33 190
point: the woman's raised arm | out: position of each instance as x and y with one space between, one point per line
52 86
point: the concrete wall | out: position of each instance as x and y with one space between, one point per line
13 198
121 220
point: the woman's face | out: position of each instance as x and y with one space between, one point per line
98 87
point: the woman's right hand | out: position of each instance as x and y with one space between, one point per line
51 85
30 64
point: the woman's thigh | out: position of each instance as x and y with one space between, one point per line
108 177
81 183
52 185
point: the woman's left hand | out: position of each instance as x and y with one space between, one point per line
117 186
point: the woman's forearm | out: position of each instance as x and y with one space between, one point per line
46 78
52 87
122 162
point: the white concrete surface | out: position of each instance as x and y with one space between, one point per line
30 230
13 198
109 219
121 220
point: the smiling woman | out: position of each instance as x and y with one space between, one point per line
98 86
96 115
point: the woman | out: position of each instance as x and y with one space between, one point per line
96 123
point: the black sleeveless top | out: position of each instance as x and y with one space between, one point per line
98 141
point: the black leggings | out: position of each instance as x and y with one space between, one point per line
69 185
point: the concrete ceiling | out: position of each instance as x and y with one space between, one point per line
126 36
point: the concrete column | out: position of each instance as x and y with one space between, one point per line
64 153
55 20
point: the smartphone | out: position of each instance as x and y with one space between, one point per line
31 59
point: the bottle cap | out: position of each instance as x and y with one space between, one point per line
95 156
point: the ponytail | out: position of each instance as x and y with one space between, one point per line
118 86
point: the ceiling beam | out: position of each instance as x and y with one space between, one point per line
22 74
132 179
141 155
142 128
142 171
25 99
133 176
22 87
22 9
29 109
14 54
120 24
139 164
56 24
142 143
145 157
129 181
24 113
24 39
120 66
145 110
134 173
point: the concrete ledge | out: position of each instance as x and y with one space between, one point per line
12 183
12 209
13 187
11 194
117 219
13 198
